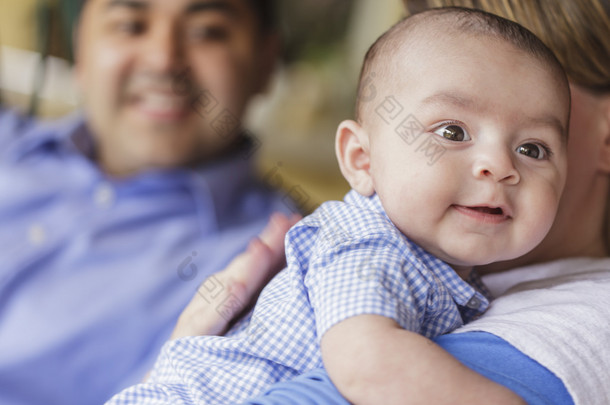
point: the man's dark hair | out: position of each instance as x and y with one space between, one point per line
263 9
265 13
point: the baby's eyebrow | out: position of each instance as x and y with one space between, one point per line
548 121
449 97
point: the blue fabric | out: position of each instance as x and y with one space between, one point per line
95 271
501 362
311 388
346 259
485 353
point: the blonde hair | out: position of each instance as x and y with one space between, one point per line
577 31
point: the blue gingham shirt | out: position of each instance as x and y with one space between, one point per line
94 271
346 259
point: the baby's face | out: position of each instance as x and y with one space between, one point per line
480 179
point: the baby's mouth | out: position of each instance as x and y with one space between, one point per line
486 214
488 210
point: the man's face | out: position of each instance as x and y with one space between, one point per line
481 179
165 83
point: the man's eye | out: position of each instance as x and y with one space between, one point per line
209 33
130 27
534 150
453 132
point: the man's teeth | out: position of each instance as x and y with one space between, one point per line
163 103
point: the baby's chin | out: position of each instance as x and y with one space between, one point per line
461 262
484 250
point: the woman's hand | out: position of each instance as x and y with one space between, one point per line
228 293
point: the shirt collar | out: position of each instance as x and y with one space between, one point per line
474 279
223 185
217 186
461 291
372 202
69 134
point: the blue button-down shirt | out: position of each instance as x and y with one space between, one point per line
94 271
344 260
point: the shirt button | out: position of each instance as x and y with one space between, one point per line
473 303
37 234
104 195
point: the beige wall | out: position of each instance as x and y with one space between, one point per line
17 23
18 32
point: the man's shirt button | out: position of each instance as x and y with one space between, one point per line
36 234
104 195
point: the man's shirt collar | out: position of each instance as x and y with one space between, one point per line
216 185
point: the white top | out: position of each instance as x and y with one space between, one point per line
560 317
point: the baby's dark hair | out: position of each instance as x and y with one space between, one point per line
458 19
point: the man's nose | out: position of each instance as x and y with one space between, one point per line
496 163
163 52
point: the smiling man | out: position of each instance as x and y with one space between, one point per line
134 55
111 218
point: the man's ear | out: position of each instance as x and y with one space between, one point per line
604 158
353 154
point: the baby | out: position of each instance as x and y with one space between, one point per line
457 158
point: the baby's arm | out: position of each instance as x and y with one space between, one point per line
372 360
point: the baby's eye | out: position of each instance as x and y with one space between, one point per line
534 150
453 132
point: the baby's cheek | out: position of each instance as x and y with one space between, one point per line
542 209
554 183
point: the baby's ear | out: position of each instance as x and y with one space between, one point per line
353 154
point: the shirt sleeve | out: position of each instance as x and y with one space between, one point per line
370 276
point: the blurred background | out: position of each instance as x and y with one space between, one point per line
313 90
